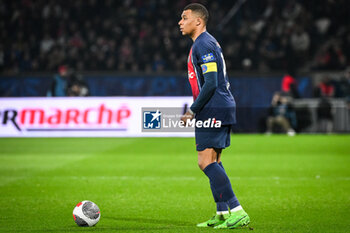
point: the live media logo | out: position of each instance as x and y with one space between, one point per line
169 120
152 119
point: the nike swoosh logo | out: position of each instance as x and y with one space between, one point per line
232 224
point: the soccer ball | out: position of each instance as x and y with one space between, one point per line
86 214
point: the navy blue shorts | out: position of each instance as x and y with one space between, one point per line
213 137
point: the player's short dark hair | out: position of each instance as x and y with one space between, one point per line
200 9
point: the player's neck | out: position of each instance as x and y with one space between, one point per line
197 33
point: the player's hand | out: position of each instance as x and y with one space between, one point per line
187 116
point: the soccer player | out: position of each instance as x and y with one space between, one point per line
212 99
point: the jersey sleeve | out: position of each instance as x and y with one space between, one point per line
205 53
206 58
207 61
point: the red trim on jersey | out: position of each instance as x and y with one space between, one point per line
192 77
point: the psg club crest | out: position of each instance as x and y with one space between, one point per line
152 119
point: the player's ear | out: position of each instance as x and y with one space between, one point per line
198 21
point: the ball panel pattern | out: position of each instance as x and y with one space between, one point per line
80 222
91 210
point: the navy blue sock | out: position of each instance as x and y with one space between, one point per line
220 206
222 166
233 202
220 183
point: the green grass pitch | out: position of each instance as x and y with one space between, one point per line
286 184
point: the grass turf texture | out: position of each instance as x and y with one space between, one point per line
286 184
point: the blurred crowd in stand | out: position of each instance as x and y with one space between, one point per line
66 82
137 35
284 117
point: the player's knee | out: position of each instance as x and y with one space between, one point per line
206 157
203 163
201 166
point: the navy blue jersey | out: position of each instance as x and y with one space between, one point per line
204 53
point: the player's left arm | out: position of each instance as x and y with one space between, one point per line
210 73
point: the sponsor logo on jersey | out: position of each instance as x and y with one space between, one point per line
191 75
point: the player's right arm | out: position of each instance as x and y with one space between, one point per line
206 58
208 89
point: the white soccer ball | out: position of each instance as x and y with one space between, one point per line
86 214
